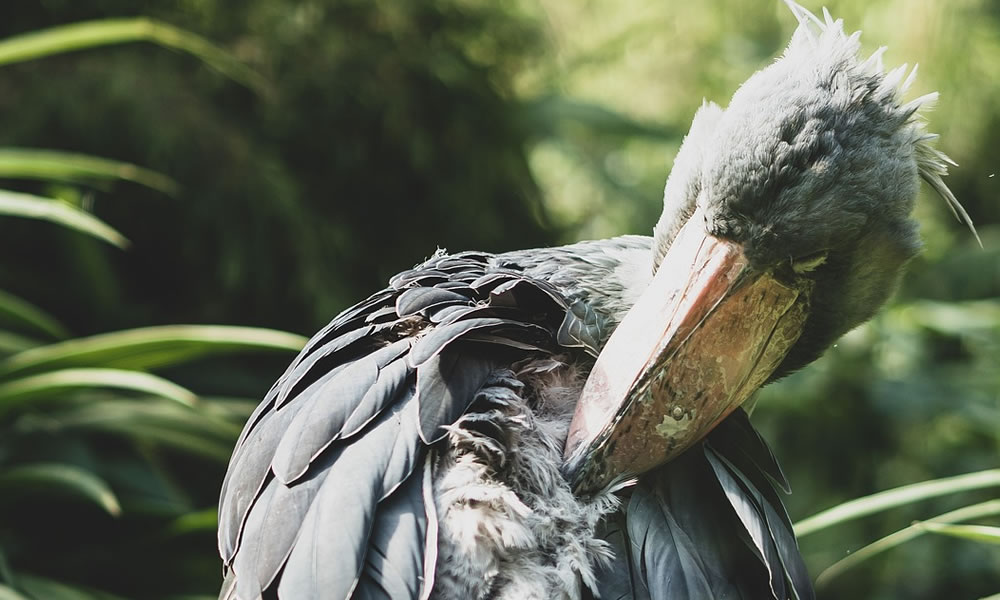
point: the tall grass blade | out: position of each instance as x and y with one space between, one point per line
9 593
48 165
977 533
41 588
161 423
22 314
17 392
12 343
974 511
16 204
149 347
202 521
906 494
105 32
60 478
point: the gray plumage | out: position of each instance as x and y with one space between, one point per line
413 449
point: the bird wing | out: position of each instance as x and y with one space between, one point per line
328 490
328 493
709 524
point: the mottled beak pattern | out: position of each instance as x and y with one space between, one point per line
706 334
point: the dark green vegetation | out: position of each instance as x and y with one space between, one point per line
382 131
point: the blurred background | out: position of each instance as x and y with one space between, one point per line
367 134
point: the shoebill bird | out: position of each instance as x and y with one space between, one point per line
566 422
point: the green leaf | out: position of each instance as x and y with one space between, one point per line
16 392
12 343
105 32
19 312
976 533
167 424
145 486
906 494
149 347
974 511
201 521
6 574
16 204
25 163
62 478
9 593
41 588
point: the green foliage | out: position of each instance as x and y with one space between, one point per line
62 403
889 499
109 433
147 348
13 204
107 32
47 165
989 508
58 421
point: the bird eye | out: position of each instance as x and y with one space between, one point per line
809 262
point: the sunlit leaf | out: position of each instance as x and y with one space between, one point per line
12 343
105 32
167 424
9 593
16 204
150 347
59 478
906 494
976 533
18 312
25 163
232 409
201 521
974 511
45 385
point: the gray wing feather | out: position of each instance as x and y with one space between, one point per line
419 300
446 385
394 566
321 499
668 552
390 381
306 369
431 344
250 465
737 439
325 411
683 518
618 580
772 538
249 468
329 552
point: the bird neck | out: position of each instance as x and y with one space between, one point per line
608 275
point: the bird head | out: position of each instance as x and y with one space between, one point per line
787 221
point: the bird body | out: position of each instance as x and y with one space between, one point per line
499 519
565 422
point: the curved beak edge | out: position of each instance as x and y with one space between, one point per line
708 332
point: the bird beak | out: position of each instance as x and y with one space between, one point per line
708 332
